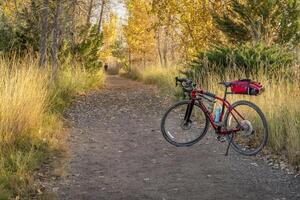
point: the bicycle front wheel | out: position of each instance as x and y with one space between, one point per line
180 131
253 134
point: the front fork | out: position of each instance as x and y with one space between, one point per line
189 111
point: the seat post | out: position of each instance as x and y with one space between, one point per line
225 93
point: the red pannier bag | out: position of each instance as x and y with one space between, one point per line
246 86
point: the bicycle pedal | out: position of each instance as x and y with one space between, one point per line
221 138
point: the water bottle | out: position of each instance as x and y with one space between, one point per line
218 111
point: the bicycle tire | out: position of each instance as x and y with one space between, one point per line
234 144
183 144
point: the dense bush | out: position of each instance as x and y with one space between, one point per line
6 33
20 33
246 58
86 50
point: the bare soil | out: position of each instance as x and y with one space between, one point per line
117 152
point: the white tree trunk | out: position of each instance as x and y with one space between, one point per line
44 32
56 30
101 16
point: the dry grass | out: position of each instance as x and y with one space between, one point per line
134 73
72 81
30 130
164 78
23 101
279 102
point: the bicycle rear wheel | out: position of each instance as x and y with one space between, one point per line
253 135
181 132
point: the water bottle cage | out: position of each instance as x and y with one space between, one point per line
208 102
219 124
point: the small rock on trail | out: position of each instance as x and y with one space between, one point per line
118 152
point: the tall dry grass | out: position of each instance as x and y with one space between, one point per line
30 110
280 103
23 99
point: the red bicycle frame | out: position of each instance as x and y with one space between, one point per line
225 104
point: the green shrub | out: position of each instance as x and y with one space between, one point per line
6 33
22 33
86 51
245 58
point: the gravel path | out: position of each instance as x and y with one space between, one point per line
118 152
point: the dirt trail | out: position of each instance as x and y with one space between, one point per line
118 152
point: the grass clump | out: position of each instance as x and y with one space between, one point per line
72 81
133 73
163 77
31 106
